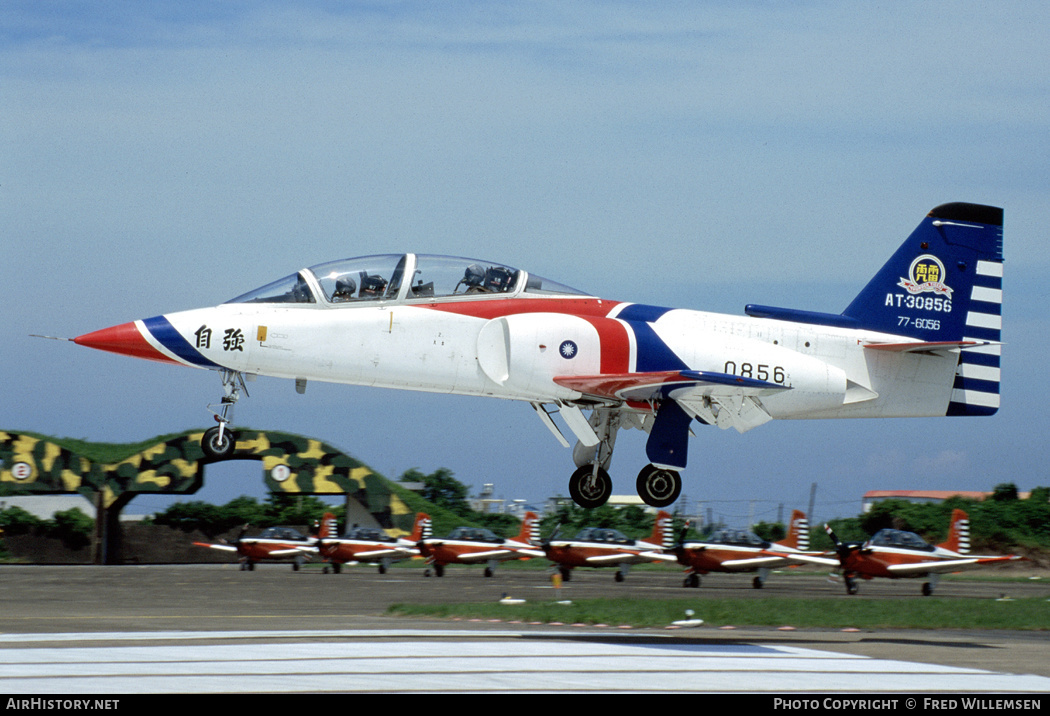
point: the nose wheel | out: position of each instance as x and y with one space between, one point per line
590 486
219 442
658 486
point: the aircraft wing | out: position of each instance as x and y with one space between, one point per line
484 556
722 399
660 384
948 565
291 551
378 553
631 558
223 547
532 552
807 558
756 562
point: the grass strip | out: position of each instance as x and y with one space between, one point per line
909 613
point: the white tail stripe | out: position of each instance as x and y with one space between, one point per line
988 295
964 536
803 534
979 372
973 397
990 268
984 320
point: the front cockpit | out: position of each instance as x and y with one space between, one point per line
603 535
402 278
473 534
900 539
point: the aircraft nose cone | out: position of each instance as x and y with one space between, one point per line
125 339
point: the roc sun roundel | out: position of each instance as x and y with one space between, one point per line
922 338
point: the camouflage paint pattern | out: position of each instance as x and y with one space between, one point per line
292 464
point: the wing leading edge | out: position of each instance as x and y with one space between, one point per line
728 401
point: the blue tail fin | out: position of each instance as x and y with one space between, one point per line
945 284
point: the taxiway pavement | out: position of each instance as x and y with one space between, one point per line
195 628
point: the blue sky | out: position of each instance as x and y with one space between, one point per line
162 156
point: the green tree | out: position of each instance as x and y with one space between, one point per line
770 531
442 489
73 527
1004 492
284 509
16 521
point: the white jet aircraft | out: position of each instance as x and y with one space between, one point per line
920 340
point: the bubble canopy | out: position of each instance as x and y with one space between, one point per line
403 278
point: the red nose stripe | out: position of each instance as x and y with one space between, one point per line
125 339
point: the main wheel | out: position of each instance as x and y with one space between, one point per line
215 448
588 489
657 486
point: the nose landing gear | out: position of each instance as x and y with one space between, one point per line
219 442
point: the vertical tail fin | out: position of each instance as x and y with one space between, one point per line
959 533
945 284
530 529
329 527
663 534
421 528
798 531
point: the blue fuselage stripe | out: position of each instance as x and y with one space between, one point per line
165 333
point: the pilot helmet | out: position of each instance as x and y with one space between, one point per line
474 275
345 288
373 285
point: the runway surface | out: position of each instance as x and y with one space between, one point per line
178 629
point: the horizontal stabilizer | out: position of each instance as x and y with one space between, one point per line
928 346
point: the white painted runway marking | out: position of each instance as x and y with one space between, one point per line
407 661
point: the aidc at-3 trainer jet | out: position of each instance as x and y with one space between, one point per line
920 340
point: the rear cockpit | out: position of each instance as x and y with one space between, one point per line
402 278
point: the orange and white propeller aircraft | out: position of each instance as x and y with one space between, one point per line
368 544
921 339
897 554
272 544
477 545
732 550
604 547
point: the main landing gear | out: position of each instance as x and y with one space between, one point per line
590 486
219 442
658 486
659 483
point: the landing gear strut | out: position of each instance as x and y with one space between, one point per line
590 486
658 486
219 442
